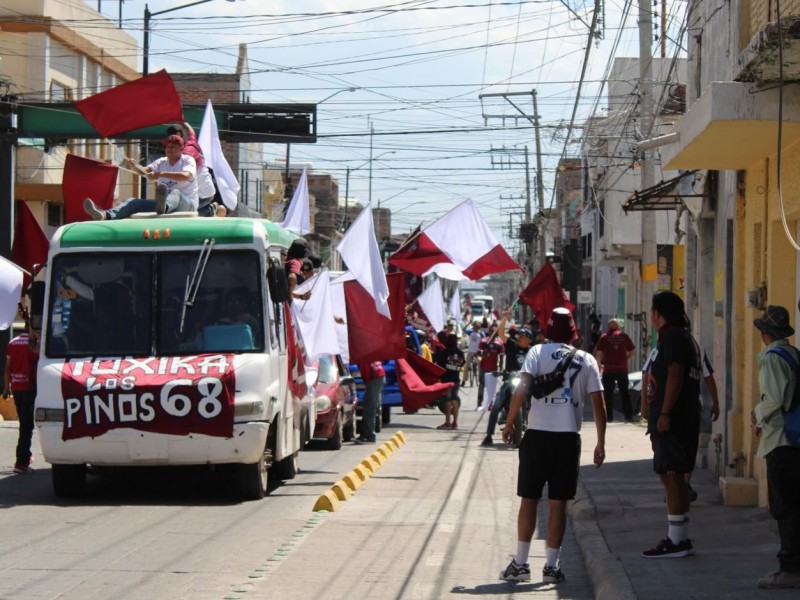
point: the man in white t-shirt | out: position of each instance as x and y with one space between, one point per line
550 450
176 189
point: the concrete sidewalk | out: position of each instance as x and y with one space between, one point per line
620 512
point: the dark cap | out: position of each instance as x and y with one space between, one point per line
173 139
524 331
775 322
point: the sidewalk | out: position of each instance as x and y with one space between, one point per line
620 511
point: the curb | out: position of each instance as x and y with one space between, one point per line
609 579
343 489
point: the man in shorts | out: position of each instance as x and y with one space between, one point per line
451 359
550 450
673 417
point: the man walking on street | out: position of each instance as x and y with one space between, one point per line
20 380
777 379
490 352
374 378
473 346
551 448
613 352
673 391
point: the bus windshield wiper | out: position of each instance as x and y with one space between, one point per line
193 282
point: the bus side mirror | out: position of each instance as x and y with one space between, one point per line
278 282
36 293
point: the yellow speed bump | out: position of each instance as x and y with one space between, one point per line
382 451
388 447
393 443
378 458
362 473
352 481
327 502
341 490
401 437
370 465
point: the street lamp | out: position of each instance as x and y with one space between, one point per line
288 190
148 14
347 180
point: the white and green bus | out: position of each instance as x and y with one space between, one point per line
168 341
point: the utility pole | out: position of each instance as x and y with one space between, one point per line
539 182
371 135
346 198
649 264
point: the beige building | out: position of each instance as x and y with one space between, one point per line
61 51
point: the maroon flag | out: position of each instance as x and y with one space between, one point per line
419 381
30 243
86 178
544 293
151 100
372 336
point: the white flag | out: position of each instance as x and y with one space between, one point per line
455 305
340 310
314 317
298 215
208 139
432 302
366 266
10 292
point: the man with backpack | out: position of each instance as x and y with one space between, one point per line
776 418
561 379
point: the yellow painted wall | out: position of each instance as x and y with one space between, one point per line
764 256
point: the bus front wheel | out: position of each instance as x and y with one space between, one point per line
253 479
69 480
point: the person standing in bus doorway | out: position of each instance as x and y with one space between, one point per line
20 380
374 377
613 352
176 188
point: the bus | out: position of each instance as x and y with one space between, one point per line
169 341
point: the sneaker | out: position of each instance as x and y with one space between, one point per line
692 493
20 468
515 572
453 425
552 575
666 549
487 441
445 426
780 579
363 440
161 199
90 208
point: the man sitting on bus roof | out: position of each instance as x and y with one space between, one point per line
176 188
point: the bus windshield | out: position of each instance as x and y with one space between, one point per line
131 304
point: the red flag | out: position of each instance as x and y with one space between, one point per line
86 178
372 336
544 293
151 100
30 243
419 381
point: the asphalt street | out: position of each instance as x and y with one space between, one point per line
436 521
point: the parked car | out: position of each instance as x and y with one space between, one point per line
335 401
391 390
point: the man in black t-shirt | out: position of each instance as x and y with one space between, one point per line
673 391
451 359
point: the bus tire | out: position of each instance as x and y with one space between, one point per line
386 414
335 442
69 481
253 479
286 468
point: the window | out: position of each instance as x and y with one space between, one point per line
100 306
223 311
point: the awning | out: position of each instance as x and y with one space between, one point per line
662 196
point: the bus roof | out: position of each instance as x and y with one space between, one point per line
190 231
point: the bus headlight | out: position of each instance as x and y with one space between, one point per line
243 409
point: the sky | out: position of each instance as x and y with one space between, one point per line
412 72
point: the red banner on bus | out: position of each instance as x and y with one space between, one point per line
177 395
